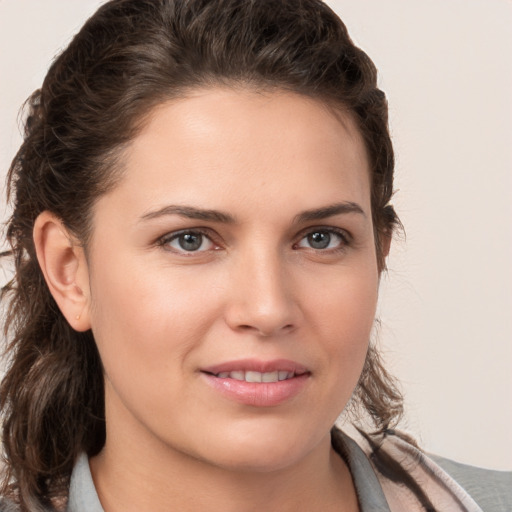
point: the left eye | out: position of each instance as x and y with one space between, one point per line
322 239
188 241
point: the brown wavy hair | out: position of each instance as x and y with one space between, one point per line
130 56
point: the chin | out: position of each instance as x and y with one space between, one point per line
261 450
248 460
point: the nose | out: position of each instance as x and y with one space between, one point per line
262 297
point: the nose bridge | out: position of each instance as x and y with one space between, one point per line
263 300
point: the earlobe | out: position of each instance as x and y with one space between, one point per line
62 261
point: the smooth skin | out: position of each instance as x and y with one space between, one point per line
285 268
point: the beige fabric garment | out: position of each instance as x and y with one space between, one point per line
444 493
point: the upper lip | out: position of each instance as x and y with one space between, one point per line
256 365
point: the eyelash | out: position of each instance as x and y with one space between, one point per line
344 238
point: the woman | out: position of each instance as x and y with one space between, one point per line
200 219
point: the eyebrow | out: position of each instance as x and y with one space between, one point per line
191 212
329 211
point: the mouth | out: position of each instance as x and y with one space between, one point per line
253 370
258 383
254 376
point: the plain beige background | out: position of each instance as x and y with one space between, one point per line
446 303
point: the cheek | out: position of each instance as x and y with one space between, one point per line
145 322
345 310
344 301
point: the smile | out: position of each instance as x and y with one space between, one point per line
258 383
252 376
255 370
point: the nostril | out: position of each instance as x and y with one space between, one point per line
266 332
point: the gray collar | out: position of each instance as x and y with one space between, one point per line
369 491
82 493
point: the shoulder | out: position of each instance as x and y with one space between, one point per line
413 480
492 490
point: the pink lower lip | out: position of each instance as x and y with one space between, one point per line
258 394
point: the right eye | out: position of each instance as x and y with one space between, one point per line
187 242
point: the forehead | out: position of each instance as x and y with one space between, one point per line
227 145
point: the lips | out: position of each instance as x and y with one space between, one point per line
258 383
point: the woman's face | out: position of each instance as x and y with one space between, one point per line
238 247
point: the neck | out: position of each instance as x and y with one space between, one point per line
129 477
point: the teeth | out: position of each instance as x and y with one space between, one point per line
270 377
251 376
283 375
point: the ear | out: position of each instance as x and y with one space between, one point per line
386 243
383 249
64 266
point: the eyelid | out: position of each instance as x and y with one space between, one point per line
332 229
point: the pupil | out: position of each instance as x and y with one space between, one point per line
319 240
190 242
